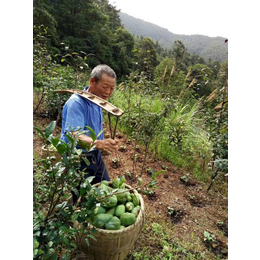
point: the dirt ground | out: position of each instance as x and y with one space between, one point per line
194 210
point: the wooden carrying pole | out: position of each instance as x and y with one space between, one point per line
110 108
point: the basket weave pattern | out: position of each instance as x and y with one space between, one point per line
113 244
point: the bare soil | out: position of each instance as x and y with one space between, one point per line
194 210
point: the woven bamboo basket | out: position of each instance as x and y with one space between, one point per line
113 244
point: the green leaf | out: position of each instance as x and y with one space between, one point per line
40 160
70 139
55 141
61 148
39 131
98 191
93 230
64 158
78 151
74 217
65 257
49 129
91 202
35 251
122 180
62 205
35 243
76 192
63 228
100 133
153 173
66 242
92 134
71 172
80 132
90 179
91 236
157 173
152 184
86 161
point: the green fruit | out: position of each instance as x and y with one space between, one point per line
109 202
115 183
120 209
118 183
104 182
129 206
136 210
127 219
128 196
122 186
121 196
122 227
111 211
135 199
113 224
104 189
101 219
99 210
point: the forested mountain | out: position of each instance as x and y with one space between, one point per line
87 33
213 48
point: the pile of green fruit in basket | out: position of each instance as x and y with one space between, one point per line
117 207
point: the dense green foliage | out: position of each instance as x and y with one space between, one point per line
89 27
59 224
53 215
175 103
94 30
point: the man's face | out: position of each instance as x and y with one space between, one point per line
104 87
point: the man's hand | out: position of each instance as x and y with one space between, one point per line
108 145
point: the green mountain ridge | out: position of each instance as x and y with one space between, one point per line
213 48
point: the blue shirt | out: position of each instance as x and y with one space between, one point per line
79 112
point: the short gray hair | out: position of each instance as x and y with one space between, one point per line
99 70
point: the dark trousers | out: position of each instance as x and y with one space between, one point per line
96 168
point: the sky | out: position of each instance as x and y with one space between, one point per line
188 17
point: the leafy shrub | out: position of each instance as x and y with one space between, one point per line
53 214
51 72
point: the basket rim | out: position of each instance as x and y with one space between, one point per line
139 217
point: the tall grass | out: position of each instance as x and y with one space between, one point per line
179 136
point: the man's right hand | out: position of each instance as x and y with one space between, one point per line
109 145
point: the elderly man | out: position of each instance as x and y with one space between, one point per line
79 112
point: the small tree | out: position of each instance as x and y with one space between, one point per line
53 214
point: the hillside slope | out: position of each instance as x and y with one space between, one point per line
193 209
213 48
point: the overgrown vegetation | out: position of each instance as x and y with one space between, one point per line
175 106
57 222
